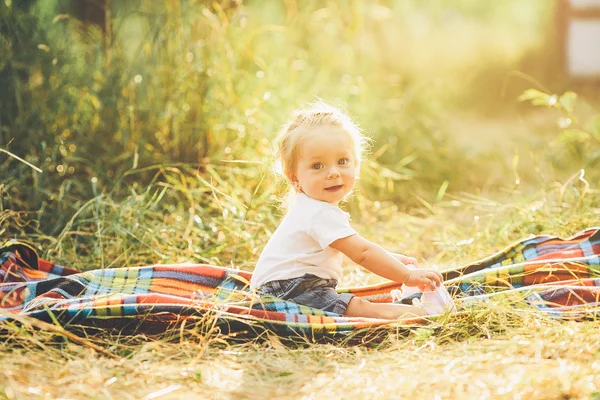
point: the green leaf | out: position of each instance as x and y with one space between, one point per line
573 135
538 98
567 101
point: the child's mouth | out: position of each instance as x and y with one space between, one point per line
334 188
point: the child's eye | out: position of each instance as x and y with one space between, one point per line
317 166
343 161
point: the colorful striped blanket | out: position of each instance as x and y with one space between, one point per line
559 277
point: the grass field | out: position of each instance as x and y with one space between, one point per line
155 149
490 351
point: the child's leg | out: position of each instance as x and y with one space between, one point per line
363 308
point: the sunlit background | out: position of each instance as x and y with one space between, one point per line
103 95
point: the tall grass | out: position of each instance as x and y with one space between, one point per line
197 83
165 120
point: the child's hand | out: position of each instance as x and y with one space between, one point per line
424 279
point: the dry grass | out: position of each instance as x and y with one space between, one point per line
491 350
472 356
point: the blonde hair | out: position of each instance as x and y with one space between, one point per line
312 115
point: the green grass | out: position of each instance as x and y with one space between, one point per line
489 350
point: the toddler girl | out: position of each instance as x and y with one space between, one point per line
320 151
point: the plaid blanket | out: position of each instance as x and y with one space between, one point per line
557 276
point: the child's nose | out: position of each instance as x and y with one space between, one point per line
333 173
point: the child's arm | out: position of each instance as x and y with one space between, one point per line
404 259
379 261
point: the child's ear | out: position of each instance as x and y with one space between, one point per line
294 181
292 178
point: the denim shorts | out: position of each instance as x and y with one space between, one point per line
310 290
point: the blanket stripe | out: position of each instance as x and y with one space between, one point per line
559 277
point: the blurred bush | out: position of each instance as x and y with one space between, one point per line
577 144
189 82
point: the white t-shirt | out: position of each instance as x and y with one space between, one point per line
300 245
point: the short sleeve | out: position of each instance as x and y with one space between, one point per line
328 225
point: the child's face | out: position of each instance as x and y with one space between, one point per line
325 164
